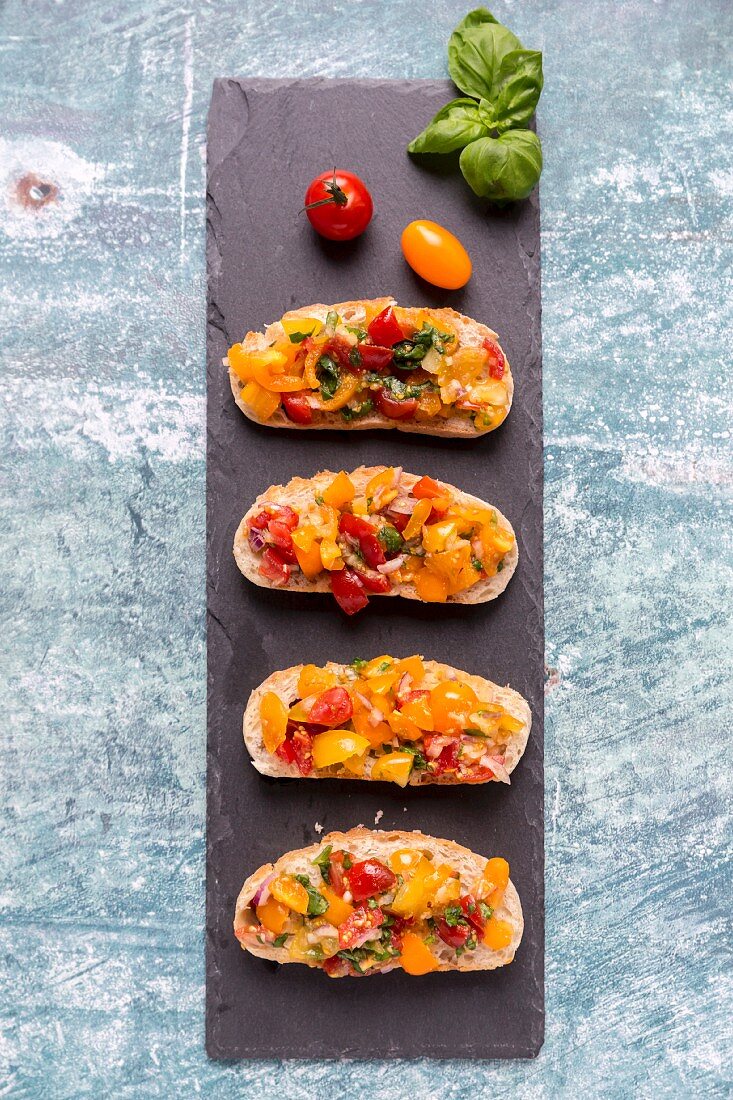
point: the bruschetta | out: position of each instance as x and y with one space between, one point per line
365 902
407 721
376 531
373 364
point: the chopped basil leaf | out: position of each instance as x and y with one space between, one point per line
356 957
390 539
357 411
359 664
500 566
332 319
401 390
328 374
319 499
317 904
279 941
419 762
347 862
477 564
298 337
416 348
359 333
454 916
385 666
323 861
485 910
372 903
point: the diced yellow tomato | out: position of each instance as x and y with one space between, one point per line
496 874
404 727
420 515
267 366
313 680
405 860
335 746
359 506
356 764
448 891
375 735
486 719
338 910
286 890
438 878
381 684
509 723
394 767
331 555
273 914
309 326
413 666
437 536
309 560
340 491
415 955
379 490
260 401
502 541
497 934
239 363
451 704
298 713
377 666
489 393
274 719
428 405
304 535
430 587
419 713
413 895
347 387
328 522
466 365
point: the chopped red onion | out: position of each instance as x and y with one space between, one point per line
263 892
497 767
392 566
256 539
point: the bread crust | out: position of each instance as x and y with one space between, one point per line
453 427
299 491
379 843
285 684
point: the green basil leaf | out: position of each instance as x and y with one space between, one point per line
454 126
503 168
317 904
475 56
520 86
474 19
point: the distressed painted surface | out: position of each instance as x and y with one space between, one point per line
102 550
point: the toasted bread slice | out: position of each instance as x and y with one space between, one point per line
285 685
299 494
458 426
367 843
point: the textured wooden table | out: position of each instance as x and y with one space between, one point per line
101 246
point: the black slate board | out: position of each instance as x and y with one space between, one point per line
266 139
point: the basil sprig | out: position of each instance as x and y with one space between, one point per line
501 160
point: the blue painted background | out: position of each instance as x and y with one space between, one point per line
102 852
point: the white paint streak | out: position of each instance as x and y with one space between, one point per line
556 809
186 124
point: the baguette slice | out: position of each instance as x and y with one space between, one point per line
372 843
299 494
458 426
285 685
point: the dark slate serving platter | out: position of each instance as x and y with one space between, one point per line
266 139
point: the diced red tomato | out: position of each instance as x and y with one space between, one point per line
274 567
336 872
398 929
260 521
399 520
354 928
497 362
331 708
297 407
338 349
410 696
369 877
362 530
455 935
370 357
286 751
428 488
392 408
374 582
283 540
385 328
302 748
336 967
471 911
348 590
448 760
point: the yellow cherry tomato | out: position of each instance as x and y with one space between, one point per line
338 910
288 892
451 703
274 719
497 934
335 746
394 767
415 956
273 915
436 255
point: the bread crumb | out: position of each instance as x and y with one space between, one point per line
318 827
378 816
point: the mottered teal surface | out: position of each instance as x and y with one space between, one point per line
101 848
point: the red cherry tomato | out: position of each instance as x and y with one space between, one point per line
427 487
357 925
369 877
339 350
283 540
348 590
471 912
338 205
286 751
302 743
392 408
297 408
370 357
331 708
374 582
274 567
385 328
497 362
455 935
369 544
336 872
399 520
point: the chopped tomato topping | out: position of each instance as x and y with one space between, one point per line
472 912
274 567
385 328
455 935
335 967
348 590
369 544
369 877
427 488
399 520
374 582
336 872
297 407
354 930
497 362
332 708
370 357
302 747
394 409
340 350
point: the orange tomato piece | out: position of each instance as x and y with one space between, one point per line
376 735
262 402
340 491
274 719
338 910
418 712
497 934
313 680
420 515
430 588
403 726
415 956
290 893
451 704
309 560
414 666
273 915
